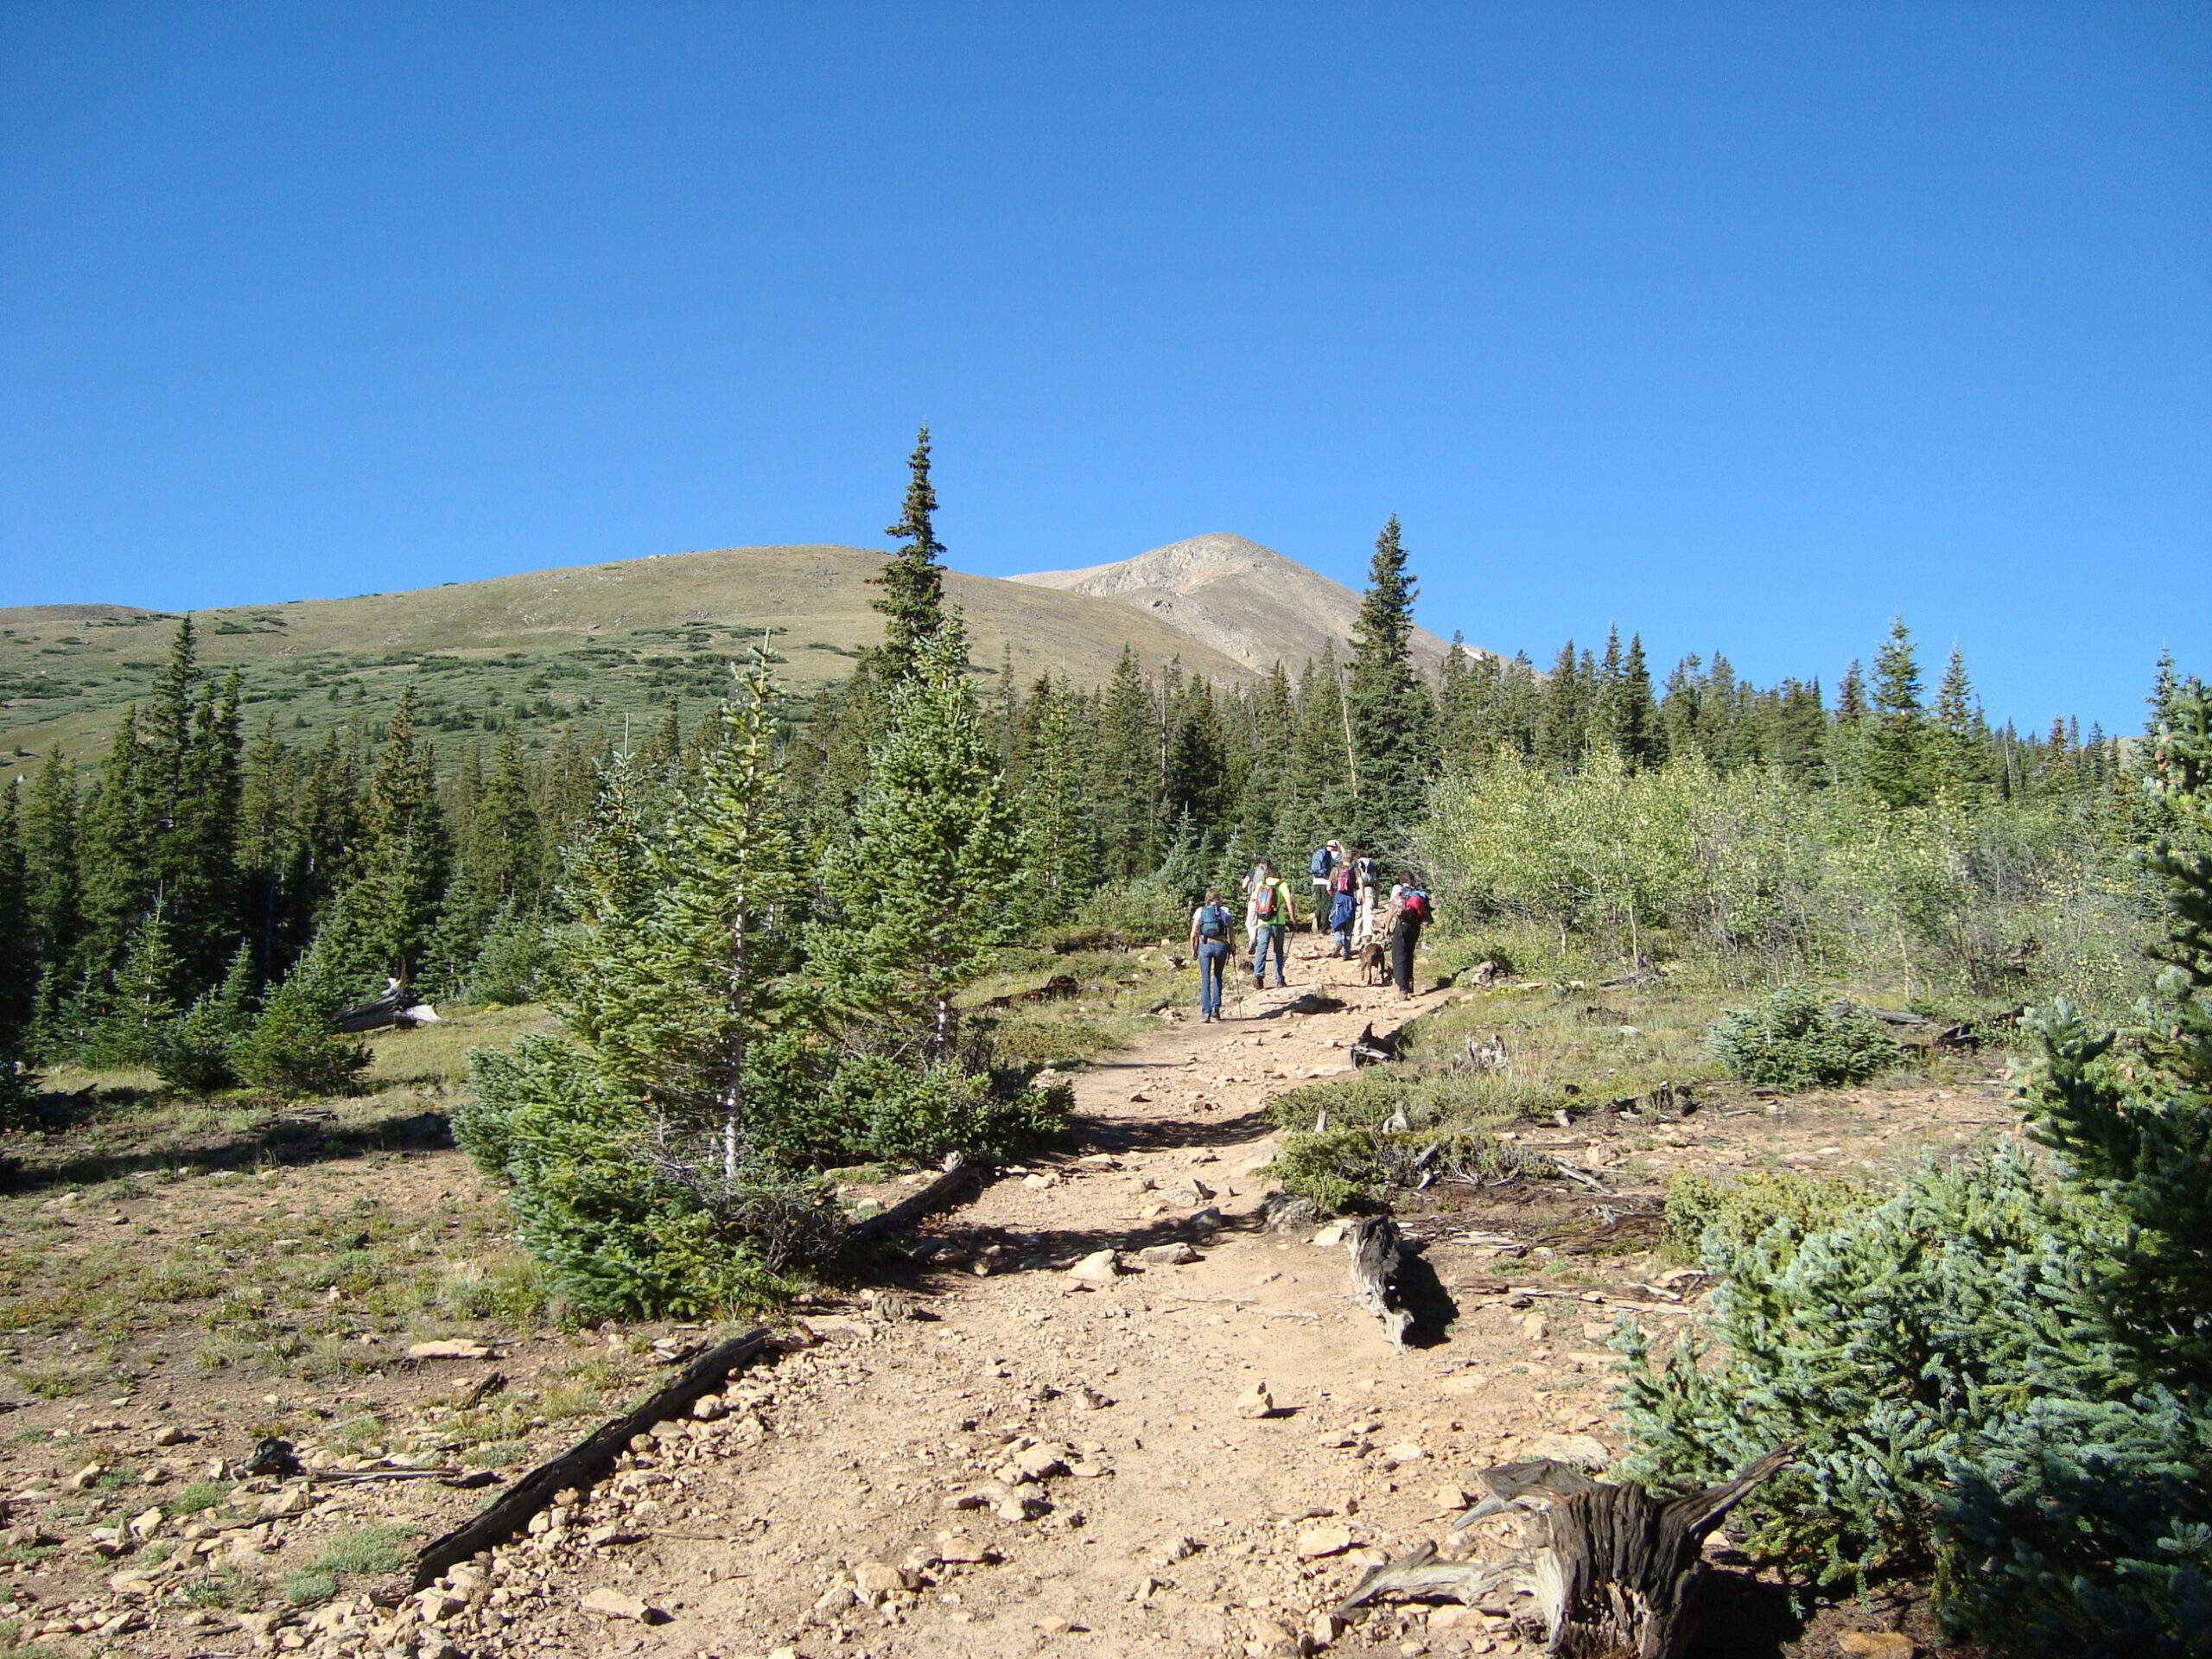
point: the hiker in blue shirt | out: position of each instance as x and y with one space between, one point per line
1211 924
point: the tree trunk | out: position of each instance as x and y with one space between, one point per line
1613 1568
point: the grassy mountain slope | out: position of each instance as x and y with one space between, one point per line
583 645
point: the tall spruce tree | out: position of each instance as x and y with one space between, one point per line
1392 716
1628 713
1058 836
1562 713
921 890
1960 735
706 981
1130 787
913 600
19 957
53 889
1894 760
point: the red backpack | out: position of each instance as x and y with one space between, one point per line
1414 902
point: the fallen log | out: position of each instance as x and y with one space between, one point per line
1373 1242
1613 1569
398 1006
959 1175
584 1463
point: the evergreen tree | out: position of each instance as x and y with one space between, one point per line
1800 732
1960 734
53 891
19 957
1894 760
913 600
1197 783
686 999
1320 802
1059 841
1130 787
1562 713
1628 714
143 999
383 921
921 890
1392 717
193 1055
1270 776
119 876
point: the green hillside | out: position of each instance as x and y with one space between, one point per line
582 646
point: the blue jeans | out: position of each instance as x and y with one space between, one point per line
1264 936
1213 955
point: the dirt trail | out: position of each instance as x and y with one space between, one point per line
1013 1460
1179 1529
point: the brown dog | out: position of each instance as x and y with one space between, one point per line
1373 962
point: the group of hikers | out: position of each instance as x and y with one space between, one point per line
1349 904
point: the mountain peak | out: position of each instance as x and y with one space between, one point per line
1245 600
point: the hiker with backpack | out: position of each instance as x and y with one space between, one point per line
1344 904
1366 882
1269 916
1210 943
1409 913
1326 857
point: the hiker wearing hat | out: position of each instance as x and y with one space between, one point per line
1269 916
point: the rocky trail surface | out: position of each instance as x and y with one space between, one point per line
1106 1409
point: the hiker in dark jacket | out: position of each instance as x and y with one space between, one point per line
1408 914
1211 926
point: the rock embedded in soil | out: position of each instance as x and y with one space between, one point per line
1255 1401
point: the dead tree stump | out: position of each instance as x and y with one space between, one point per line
1373 1242
1613 1569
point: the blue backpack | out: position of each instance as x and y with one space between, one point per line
1322 860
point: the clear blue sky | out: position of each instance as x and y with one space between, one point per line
1742 325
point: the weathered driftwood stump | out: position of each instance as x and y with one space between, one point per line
1373 1242
1613 1569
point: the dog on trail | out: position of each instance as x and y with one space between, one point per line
1373 962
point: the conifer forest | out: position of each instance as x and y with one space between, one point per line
714 991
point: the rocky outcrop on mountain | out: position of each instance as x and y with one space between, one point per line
1246 601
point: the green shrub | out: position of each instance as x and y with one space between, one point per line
2008 1366
603 1206
1743 1207
514 965
884 1110
1355 1167
291 1049
198 1495
1789 1039
193 1054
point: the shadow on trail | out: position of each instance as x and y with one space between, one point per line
1423 1295
1157 1134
